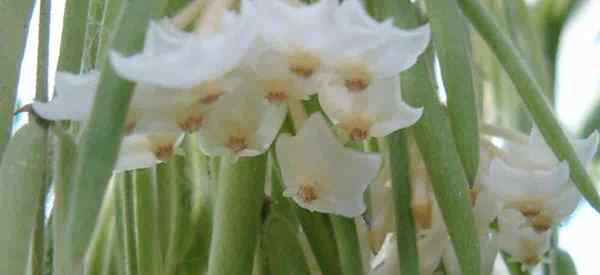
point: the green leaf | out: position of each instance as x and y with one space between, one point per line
73 35
438 148
532 95
101 138
348 245
93 31
104 244
20 189
14 19
237 216
452 46
280 241
125 221
562 263
406 233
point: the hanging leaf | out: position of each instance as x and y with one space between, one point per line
21 184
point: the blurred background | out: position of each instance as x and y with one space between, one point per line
577 91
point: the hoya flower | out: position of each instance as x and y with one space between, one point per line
152 109
431 244
320 174
73 99
142 151
545 196
190 60
242 124
521 242
386 51
377 111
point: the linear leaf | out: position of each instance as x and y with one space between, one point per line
14 19
451 40
21 184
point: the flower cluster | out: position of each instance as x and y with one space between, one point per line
232 81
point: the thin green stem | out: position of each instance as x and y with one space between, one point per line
146 222
101 138
348 245
93 30
532 95
238 206
126 222
438 148
101 248
406 233
280 242
73 36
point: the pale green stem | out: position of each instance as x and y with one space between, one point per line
73 36
237 216
101 138
101 248
437 146
146 222
406 232
532 95
280 243
14 19
92 33
125 221
348 245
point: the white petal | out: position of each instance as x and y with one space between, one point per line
74 99
136 153
315 154
563 204
399 52
242 112
515 184
195 60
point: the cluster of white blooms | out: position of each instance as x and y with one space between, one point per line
232 81
521 192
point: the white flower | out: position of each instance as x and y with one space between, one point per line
431 245
387 50
74 97
520 241
242 124
545 196
488 253
377 111
186 61
143 151
320 174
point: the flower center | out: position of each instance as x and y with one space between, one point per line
308 192
531 260
210 98
356 128
191 123
236 144
423 215
541 223
163 152
355 74
276 90
528 208
303 63
207 93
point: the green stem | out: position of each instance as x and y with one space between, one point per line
237 216
14 19
100 252
532 95
406 233
93 30
562 263
100 142
451 40
73 36
348 245
280 242
126 222
146 222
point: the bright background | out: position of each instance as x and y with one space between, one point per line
578 87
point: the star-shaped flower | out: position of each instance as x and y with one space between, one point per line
143 151
377 111
521 242
187 61
320 174
242 124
